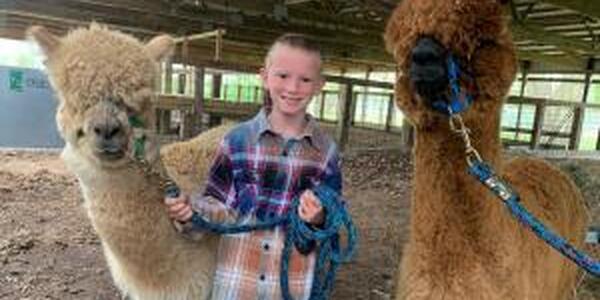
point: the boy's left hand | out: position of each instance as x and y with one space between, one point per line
310 209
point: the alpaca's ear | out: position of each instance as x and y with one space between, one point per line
160 47
47 41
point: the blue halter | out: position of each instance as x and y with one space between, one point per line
460 98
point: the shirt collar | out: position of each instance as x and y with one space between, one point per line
263 126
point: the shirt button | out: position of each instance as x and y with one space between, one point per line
262 277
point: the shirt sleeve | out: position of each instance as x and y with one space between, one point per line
212 202
219 184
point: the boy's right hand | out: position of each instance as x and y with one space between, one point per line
179 208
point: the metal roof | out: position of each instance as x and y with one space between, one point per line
555 35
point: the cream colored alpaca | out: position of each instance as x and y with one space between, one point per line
101 78
463 243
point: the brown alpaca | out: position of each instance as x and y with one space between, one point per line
463 243
102 77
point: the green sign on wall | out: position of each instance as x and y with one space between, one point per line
15 79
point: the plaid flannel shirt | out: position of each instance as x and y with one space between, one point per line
255 176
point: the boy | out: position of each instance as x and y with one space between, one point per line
261 166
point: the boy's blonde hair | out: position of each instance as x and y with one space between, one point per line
294 40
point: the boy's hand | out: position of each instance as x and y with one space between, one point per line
310 209
179 208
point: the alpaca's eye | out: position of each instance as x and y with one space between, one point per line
130 111
79 133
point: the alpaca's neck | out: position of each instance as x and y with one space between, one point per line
450 209
124 205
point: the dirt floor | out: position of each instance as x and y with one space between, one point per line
48 249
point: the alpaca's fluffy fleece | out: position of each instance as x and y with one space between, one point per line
463 243
102 78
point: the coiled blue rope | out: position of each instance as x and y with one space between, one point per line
327 238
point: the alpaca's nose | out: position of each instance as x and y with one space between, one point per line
427 51
107 131
428 68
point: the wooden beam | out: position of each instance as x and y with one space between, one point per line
292 2
573 47
360 82
200 36
338 40
543 63
589 8
576 63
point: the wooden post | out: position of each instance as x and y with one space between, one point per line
322 106
219 44
239 93
578 117
164 123
390 113
255 94
163 115
159 79
159 88
341 95
538 124
216 85
196 116
408 134
525 74
168 78
345 107
576 127
365 91
182 78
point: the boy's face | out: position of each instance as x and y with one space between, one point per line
292 77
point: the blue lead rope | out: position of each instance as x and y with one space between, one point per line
484 173
330 254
